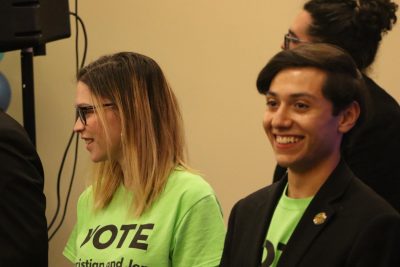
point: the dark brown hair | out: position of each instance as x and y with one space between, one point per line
354 25
343 84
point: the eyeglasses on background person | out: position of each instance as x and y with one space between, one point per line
290 38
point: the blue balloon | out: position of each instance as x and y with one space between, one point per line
5 92
1 56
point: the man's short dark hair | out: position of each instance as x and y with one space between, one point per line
343 84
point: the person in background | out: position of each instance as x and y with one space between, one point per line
319 213
144 207
358 27
23 225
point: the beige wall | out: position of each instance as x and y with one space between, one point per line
211 52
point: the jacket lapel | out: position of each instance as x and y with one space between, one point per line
317 216
264 214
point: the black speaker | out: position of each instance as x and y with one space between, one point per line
32 23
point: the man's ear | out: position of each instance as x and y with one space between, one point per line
348 117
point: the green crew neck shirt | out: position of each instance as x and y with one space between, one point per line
286 216
184 227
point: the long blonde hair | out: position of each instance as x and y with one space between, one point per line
152 138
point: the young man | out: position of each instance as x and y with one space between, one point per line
319 214
358 27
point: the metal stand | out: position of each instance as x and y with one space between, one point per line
28 98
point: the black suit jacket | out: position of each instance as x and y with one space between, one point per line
372 152
23 226
361 229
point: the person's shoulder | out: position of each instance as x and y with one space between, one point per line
11 128
86 196
88 192
187 181
258 197
377 206
18 153
381 98
370 213
7 120
184 190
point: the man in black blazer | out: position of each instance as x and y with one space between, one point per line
319 214
23 226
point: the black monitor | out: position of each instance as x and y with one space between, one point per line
32 23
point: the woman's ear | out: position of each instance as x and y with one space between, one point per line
349 117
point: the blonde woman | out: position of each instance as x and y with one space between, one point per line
144 207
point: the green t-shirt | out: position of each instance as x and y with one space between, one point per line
184 227
286 216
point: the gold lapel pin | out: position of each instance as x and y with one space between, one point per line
320 218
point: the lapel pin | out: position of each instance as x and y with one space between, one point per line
320 218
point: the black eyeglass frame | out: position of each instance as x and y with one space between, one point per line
290 38
82 111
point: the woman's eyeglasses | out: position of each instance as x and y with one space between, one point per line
290 38
81 112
